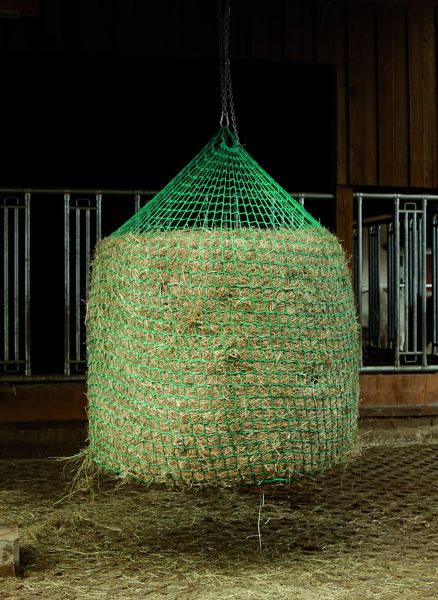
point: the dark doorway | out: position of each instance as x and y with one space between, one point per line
114 121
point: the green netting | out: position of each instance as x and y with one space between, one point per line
221 187
222 333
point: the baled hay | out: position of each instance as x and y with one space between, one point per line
221 356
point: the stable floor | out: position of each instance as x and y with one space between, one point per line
369 531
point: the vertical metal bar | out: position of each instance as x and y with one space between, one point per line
420 254
77 284
355 266
99 217
373 284
397 281
370 291
377 247
87 250
16 286
407 281
137 200
360 266
371 314
375 276
301 199
6 282
66 284
423 283
415 287
435 285
391 283
27 295
87 273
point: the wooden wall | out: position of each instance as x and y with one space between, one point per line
385 52
392 125
386 58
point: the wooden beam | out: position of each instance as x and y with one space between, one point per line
423 95
19 8
413 2
42 403
393 96
366 412
362 78
331 47
267 29
42 406
299 34
400 391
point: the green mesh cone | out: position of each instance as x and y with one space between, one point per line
221 187
222 335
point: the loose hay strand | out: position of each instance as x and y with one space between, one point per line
80 471
262 504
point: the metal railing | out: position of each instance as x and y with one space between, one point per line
82 231
390 271
301 197
84 224
396 302
15 284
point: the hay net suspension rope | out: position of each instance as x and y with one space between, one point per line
228 112
222 336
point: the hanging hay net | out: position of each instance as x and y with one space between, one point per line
222 335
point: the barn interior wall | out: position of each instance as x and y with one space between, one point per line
384 52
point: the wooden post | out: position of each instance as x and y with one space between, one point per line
344 218
9 550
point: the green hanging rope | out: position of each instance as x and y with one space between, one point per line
222 334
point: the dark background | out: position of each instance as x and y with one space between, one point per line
122 95
106 94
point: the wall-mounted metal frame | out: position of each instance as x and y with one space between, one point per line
15 353
411 233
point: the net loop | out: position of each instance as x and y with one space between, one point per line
227 137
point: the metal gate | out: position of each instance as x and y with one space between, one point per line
395 280
15 285
84 222
395 272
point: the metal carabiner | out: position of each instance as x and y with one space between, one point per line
221 122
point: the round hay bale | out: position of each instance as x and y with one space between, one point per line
221 356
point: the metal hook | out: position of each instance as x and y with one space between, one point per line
221 122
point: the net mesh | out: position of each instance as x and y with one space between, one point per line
223 186
222 335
